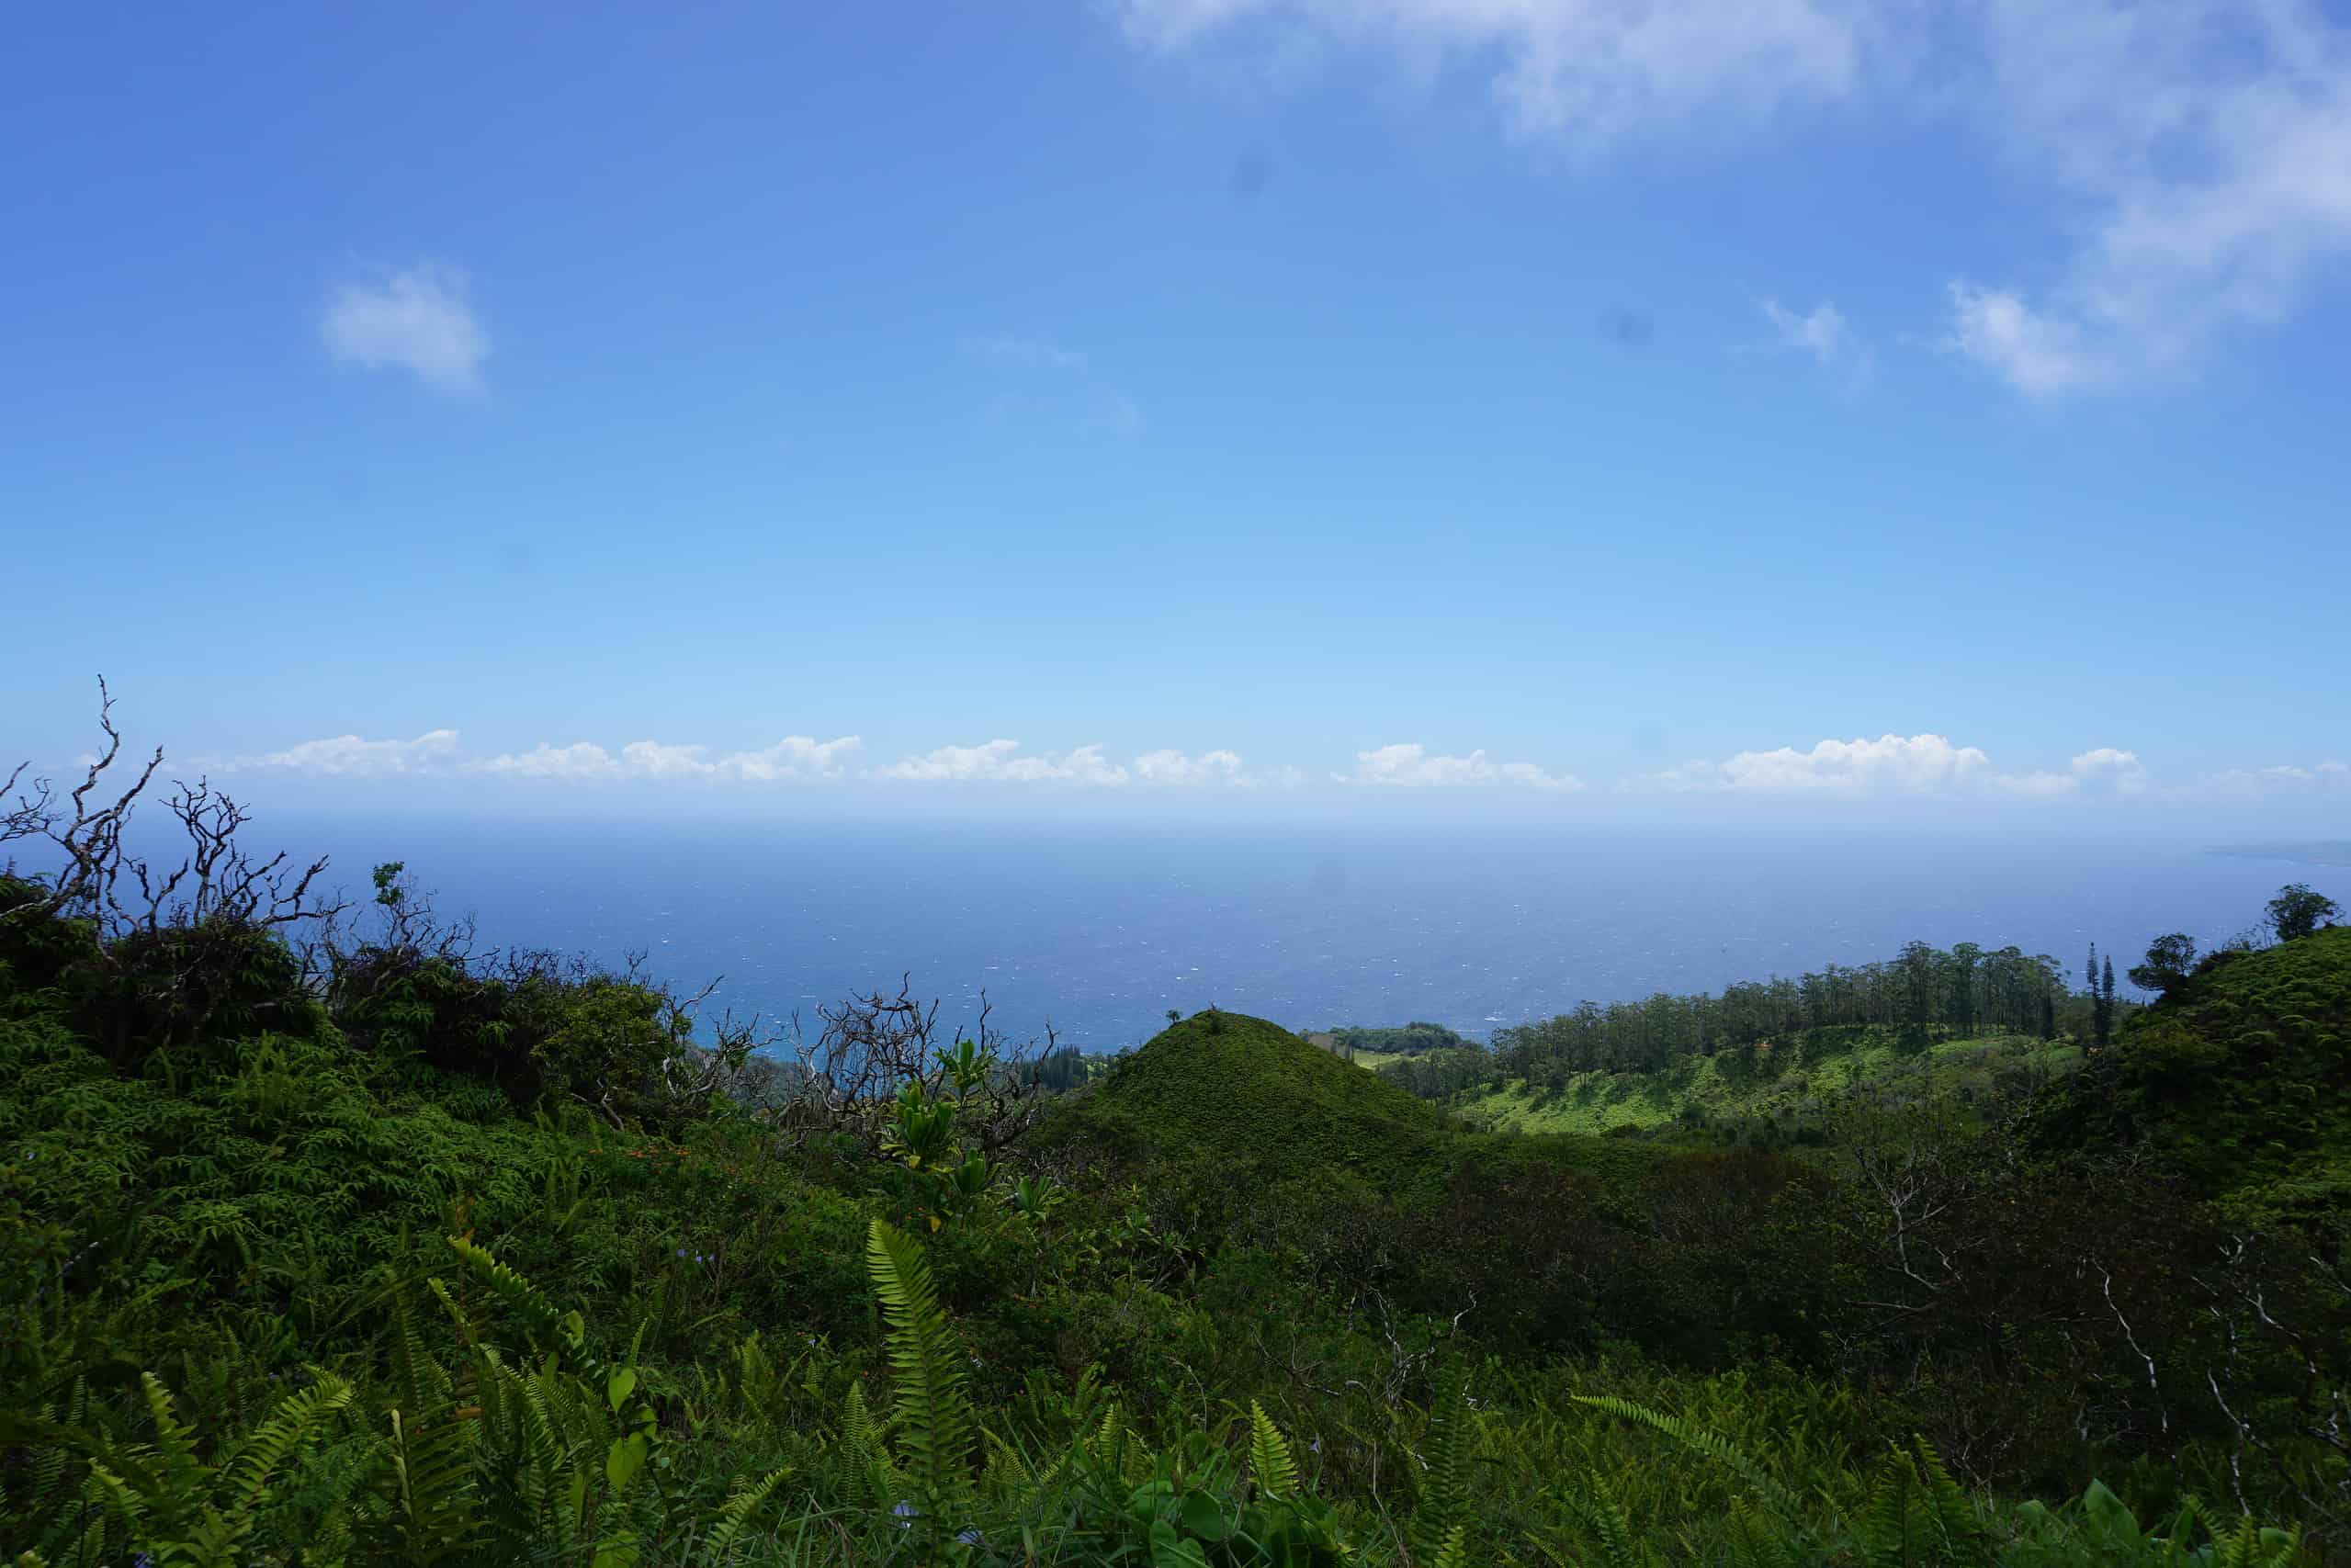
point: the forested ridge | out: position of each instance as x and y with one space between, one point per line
332 1238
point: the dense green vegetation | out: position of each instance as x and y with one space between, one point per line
370 1249
1409 1040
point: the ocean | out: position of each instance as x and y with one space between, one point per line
1098 930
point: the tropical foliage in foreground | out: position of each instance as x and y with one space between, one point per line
377 1251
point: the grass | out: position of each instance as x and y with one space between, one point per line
1792 1088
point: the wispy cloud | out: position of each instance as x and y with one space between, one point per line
2035 354
1825 334
2206 150
417 320
1009 349
1041 376
2328 778
1410 766
2197 156
1584 69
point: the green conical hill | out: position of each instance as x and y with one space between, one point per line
1253 1095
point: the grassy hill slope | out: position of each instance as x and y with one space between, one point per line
2242 1078
1792 1087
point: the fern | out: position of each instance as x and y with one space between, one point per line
734 1516
1712 1444
1438 1514
1953 1513
1453 1551
1597 1508
1757 1540
175 1508
1269 1456
934 1418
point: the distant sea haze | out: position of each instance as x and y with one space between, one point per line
1100 930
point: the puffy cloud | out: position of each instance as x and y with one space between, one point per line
1409 765
416 320
999 761
2104 769
793 758
582 759
1905 764
350 756
1896 765
1176 769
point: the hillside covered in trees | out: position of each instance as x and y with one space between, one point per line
331 1239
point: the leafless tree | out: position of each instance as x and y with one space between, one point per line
846 1078
121 893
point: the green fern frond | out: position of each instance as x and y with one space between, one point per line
549 1328
1441 1465
1453 1551
1269 1456
1756 1539
1688 1432
859 1433
734 1516
1953 1513
248 1475
1888 1530
933 1416
1597 1507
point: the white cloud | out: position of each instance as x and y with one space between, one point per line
2196 154
350 756
1175 769
1923 764
1823 333
2287 780
583 759
2209 146
999 761
2033 353
1911 764
2105 769
1409 765
417 320
1585 69
796 758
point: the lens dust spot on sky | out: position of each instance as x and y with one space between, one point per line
1628 328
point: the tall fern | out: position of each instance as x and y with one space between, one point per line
933 1414
1443 1463
1713 1445
1269 1456
180 1513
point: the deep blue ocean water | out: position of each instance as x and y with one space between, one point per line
1100 930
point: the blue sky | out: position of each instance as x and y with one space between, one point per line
1559 406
